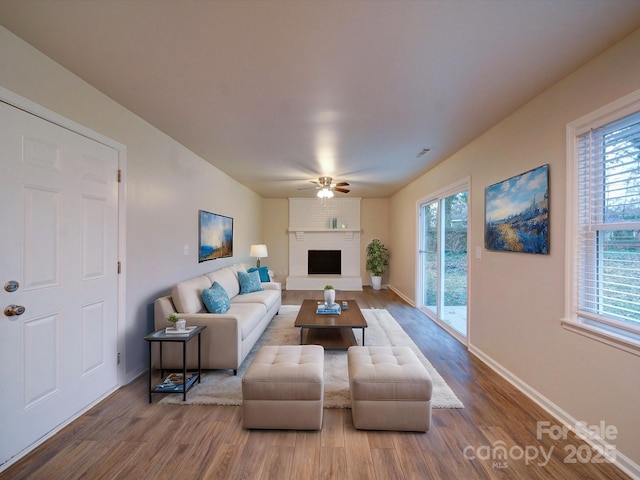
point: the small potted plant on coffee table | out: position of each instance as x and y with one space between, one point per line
329 294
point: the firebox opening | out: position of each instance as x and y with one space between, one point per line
324 262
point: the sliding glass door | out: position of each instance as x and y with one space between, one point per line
444 260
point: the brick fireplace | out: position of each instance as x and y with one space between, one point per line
330 225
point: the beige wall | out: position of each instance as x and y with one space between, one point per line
374 220
276 236
517 300
166 186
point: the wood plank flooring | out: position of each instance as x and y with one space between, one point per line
124 437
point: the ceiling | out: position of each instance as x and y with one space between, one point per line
277 93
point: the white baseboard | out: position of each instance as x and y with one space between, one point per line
131 376
401 295
621 461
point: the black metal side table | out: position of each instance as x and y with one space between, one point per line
167 386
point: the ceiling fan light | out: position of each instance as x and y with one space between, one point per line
325 192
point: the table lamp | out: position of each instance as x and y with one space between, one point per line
258 251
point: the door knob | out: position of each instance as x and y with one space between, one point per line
12 310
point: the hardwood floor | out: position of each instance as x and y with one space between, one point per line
126 437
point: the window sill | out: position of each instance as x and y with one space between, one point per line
603 335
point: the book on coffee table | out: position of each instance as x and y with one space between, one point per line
333 309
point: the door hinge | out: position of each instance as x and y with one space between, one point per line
118 358
119 267
119 176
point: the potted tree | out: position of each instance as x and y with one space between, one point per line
377 260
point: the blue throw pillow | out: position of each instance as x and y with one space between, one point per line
262 271
216 299
249 282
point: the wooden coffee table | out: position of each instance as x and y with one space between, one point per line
331 331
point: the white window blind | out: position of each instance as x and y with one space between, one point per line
609 225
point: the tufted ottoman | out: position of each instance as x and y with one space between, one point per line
283 388
390 389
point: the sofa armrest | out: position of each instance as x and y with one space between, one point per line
211 320
221 340
163 307
272 286
224 329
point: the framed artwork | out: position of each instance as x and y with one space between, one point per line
215 236
516 216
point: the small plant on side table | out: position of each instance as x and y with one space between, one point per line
178 323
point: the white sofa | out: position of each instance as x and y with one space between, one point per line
229 336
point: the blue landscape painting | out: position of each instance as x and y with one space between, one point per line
216 236
517 213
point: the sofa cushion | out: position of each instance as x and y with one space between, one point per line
262 271
268 298
216 299
239 267
249 315
227 278
187 295
249 282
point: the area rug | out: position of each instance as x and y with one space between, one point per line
221 387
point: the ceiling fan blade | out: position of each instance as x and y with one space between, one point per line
316 186
325 182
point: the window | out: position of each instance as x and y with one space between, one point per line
604 255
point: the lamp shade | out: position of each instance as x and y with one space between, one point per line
325 192
259 251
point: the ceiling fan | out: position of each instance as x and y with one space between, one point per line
326 188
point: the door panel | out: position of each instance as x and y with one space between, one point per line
40 340
454 262
93 238
93 323
443 259
430 256
59 194
41 237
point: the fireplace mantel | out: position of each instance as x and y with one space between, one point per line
299 232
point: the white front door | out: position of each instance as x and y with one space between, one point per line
58 217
